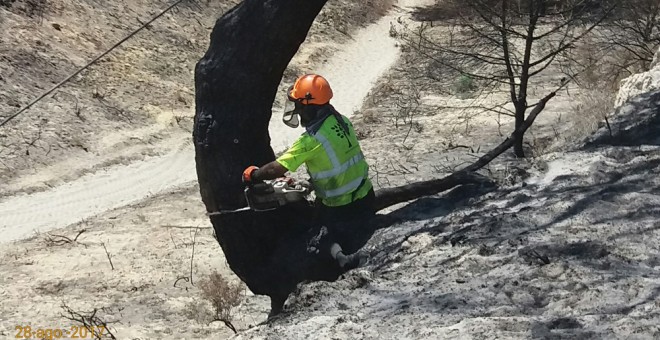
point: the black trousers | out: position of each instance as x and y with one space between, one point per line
351 225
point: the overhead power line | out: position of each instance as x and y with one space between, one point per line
36 100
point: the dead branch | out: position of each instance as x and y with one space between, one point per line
192 256
183 227
227 323
378 175
184 278
58 240
172 238
108 255
90 320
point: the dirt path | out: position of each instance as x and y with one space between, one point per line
352 72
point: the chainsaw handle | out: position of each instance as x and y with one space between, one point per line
262 187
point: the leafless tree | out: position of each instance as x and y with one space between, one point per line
503 44
632 34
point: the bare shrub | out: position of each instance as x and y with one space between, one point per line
223 296
508 174
635 31
605 66
591 108
95 326
199 311
622 46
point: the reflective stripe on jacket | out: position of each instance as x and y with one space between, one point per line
340 173
334 161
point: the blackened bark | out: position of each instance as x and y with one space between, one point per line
518 135
390 196
235 84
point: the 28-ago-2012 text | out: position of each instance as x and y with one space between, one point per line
73 332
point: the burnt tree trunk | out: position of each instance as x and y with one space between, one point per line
518 148
236 82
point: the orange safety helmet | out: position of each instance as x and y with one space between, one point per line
311 89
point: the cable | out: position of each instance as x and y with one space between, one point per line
90 63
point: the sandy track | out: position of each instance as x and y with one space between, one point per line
352 72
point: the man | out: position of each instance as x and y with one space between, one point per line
330 150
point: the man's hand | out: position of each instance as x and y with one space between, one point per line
271 170
248 174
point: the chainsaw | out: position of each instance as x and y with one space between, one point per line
272 194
